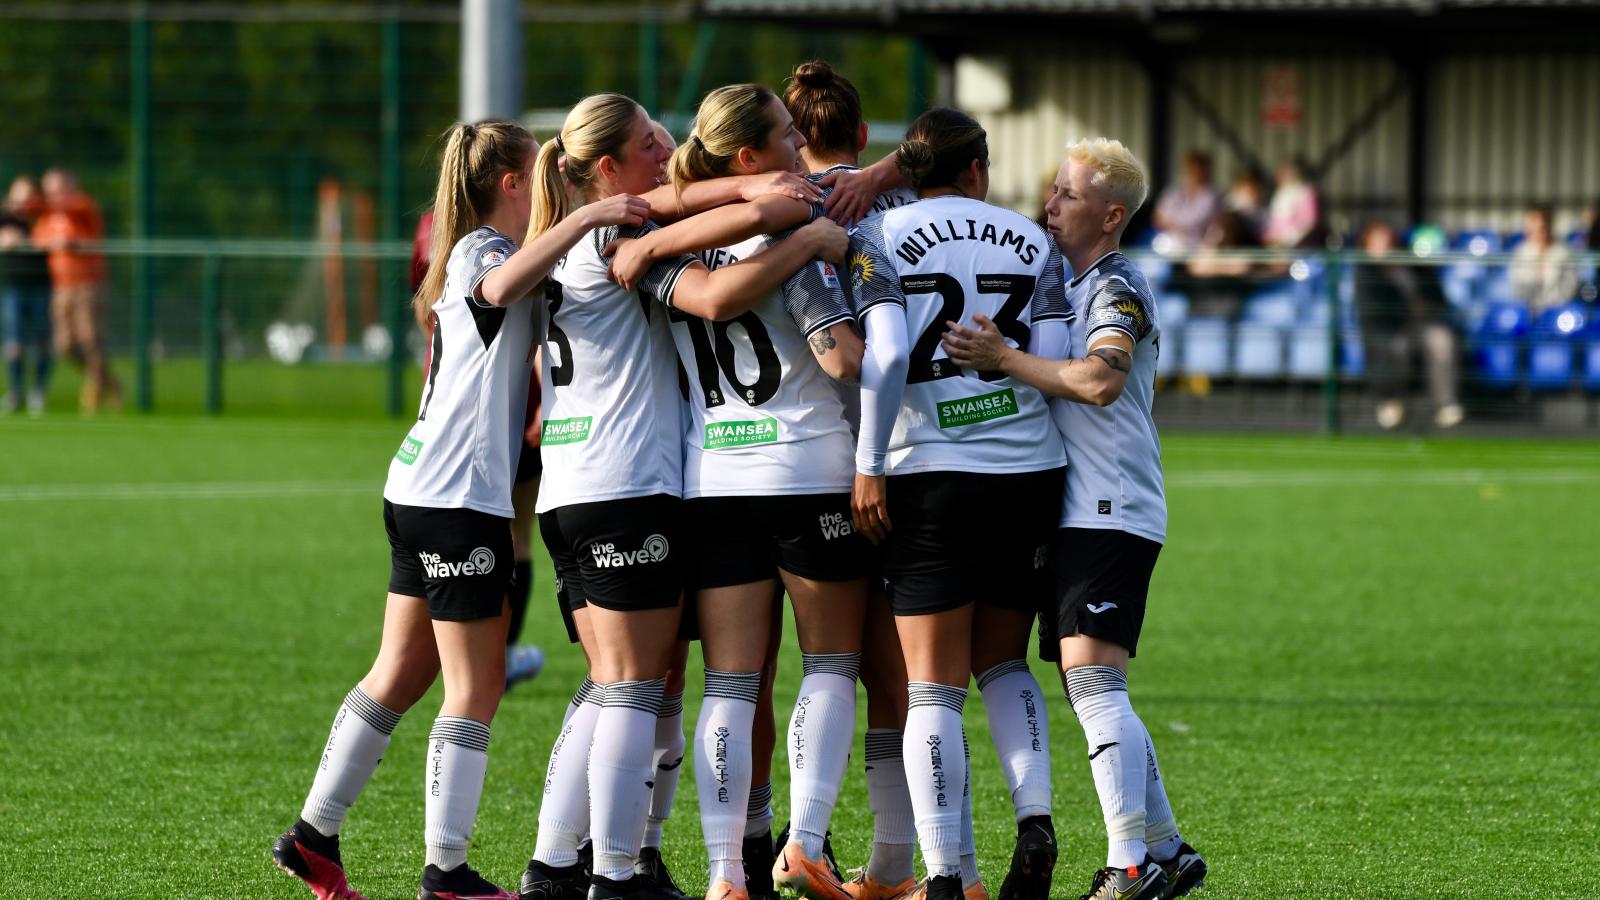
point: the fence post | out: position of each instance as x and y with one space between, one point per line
140 207
650 61
1330 386
211 331
391 271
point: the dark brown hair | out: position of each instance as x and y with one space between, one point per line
939 146
826 108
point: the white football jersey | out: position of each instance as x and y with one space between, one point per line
1115 455
950 258
882 203
850 393
462 452
610 384
765 418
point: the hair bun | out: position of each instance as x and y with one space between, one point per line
915 160
815 74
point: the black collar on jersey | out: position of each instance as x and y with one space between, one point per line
1092 266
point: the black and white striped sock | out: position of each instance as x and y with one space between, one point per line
619 774
458 756
821 730
356 744
936 771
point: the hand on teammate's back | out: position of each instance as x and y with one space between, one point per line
832 242
983 349
622 209
784 184
630 260
852 196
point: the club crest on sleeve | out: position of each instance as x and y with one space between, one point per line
860 268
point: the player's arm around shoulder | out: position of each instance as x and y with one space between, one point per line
732 290
1096 379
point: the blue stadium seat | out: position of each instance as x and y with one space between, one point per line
1550 352
1550 365
1591 365
1157 269
1498 363
1504 320
1172 310
1205 347
1276 305
1168 354
1477 243
1308 352
1257 351
1354 360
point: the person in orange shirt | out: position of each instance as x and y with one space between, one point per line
77 305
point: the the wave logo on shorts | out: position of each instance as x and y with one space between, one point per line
834 525
479 562
607 556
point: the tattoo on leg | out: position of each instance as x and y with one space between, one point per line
822 342
1115 357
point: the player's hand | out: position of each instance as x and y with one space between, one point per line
869 510
984 349
784 184
622 209
630 260
830 242
853 193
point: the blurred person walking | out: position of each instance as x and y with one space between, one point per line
1402 308
71 221
1543 272
24 298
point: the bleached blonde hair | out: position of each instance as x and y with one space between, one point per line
1117 171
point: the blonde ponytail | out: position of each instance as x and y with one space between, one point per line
470 166
597 127
728 120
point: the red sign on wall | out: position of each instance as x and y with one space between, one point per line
1280 97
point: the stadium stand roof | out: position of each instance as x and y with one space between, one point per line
892 8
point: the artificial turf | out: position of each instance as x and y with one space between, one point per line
1369 667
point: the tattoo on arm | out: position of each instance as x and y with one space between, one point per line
822 342
1115 357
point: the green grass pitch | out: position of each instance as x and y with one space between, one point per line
1370 668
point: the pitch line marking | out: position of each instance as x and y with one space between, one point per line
198 490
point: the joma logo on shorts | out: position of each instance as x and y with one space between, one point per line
478 562
834 525
607 556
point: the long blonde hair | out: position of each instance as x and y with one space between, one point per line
728 120
474 158
597 127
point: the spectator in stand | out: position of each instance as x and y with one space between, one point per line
1188 208
1295 214
1543 272
1248 198
24 298
1218 282
1402 309
78 274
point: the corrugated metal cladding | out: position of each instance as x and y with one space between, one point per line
1504 129
1514 129
1330 93
1056 101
